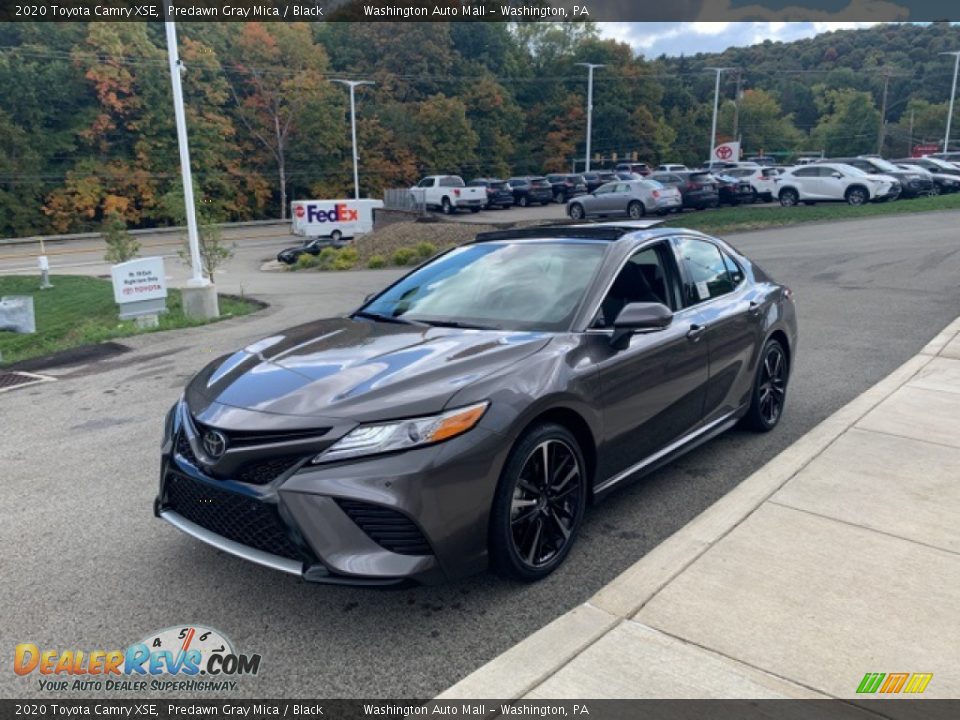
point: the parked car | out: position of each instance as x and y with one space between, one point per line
833 182
633 198
596 179
933 165
911 184
499 194
626 176
468 414
311 246
717 165
449 193
697 187
763 160
952 157
530 190
566 186
634 167
942 183
671 167
761 179
732 190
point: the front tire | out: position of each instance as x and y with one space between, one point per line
789 197
446 206
576 211
856 196
523 201
539 504
336 236
769 395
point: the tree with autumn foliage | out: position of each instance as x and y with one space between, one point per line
275 73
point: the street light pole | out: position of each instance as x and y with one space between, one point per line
590 68
953 93
198 279
716 104
352 84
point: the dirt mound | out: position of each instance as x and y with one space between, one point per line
391 238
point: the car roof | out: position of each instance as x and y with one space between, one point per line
610 231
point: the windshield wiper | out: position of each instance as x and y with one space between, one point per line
379 317
457 324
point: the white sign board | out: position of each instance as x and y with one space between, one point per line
727 152
137 280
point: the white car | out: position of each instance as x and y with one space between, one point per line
833 182
449 193
672 167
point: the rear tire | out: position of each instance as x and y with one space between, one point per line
539 504
636 210
523 202
769 395
446 206
336 236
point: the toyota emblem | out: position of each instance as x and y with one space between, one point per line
214 444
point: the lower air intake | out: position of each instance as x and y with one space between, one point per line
390 529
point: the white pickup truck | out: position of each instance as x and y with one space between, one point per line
449 193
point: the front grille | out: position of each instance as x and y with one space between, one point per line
262 472
230 515
245 438
390 529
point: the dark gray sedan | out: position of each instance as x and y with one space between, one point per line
468 414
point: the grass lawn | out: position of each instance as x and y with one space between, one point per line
744 217
81 311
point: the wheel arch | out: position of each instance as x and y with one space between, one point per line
857 186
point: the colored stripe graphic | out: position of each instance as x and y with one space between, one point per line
918 682
870 682
894 682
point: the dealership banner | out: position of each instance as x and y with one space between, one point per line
477 10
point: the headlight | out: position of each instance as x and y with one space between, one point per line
403 434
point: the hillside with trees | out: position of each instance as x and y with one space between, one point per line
86 122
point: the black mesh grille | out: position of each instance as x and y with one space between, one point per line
230 515
388 528
262 472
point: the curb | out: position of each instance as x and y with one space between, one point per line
519 670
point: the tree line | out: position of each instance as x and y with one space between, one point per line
87 134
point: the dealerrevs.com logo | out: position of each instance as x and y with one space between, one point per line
188 658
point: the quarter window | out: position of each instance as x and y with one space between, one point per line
706 268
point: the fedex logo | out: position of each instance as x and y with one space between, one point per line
340 213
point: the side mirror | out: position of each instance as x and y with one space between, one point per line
837 175
639 316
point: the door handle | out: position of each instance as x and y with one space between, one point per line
695 332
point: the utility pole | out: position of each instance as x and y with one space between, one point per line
199 297
716 103
590 68
881 134
352 84
953 93
910 137
736 106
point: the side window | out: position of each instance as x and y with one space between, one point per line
622 188
807 172
604 189
733 269
707 275
426 182
648 276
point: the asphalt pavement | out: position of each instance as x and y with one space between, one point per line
86 565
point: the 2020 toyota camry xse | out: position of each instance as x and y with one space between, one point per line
467 415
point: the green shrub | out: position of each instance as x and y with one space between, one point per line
305 262
346 259
425 250
403 256
326 258
376 261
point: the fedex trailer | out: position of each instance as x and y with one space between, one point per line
335 219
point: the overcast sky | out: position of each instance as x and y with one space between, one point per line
688 38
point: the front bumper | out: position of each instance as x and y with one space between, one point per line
419 516
917 188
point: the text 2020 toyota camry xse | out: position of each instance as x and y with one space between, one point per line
466 415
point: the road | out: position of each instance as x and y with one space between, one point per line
87 566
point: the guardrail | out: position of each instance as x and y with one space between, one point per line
36 239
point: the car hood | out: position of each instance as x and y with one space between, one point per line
359 370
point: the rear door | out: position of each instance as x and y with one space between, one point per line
651 391
732 315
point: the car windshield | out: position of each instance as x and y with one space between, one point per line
884 165
533 285
652 185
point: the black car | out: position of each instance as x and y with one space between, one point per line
530 190
732 190
499 194
566 186
911 184
466 415
311 246
697 187
596 179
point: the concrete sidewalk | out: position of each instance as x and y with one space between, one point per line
839 557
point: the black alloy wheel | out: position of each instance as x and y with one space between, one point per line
577 212
770 388
539 504
636 210
789 197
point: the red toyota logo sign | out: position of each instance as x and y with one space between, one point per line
724 152
299 211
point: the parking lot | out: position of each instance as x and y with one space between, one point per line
94 568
